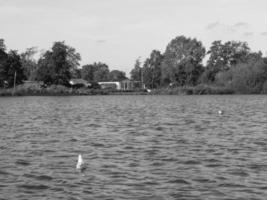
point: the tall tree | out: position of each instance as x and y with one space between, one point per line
3 59
13 70
95 72
2 45
223 56
152 70
182 61
116 75
101 73
57 66
136 73
29 64
88 72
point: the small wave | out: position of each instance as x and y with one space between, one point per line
192 162
204 180
231 185
3 172
179 181
33 187
22 162
44 178
239 173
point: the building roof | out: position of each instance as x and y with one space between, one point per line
78 81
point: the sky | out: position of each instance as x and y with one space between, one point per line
117 32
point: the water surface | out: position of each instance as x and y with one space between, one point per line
136 147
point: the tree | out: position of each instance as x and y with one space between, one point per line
12 70
152 70
95 72
77 73
3 59
88 72
29 64
246 77
182 61
57 66
101 73
116 75
224 56
2 45
136 72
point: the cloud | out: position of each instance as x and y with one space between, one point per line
240 25
101 41
217 26
212 25
264 33
247 34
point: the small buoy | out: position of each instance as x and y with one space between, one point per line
80 164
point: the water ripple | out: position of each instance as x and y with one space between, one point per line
136 147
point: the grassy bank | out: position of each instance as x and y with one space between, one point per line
193 90
58 90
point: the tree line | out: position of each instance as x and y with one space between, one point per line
54 67
229 64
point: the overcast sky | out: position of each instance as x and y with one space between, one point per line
119 31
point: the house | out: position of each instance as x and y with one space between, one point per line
77 83
110 85
122 85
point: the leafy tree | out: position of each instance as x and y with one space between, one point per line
2 45
77 73
12 70
95 72
136 73
152 70
224 56
116 75
88 72
29 64
3 59
182 61
246 77
101 73
57 66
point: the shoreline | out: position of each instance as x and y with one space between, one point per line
59 90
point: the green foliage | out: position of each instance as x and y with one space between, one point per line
2 45
116 75
58 65
136 73
182 61
11 69
95 72
29 64
244 78
152 70
223 56
101 73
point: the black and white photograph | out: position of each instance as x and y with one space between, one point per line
133 100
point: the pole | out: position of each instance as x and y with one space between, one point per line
142 78
15 77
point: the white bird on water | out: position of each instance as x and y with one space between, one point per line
220 112
80 164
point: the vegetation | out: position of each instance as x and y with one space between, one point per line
231 68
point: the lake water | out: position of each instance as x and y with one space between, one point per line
135 147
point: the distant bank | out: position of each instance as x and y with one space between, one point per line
59 90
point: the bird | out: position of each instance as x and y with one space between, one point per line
80 164
220 112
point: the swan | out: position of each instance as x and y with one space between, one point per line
80 164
